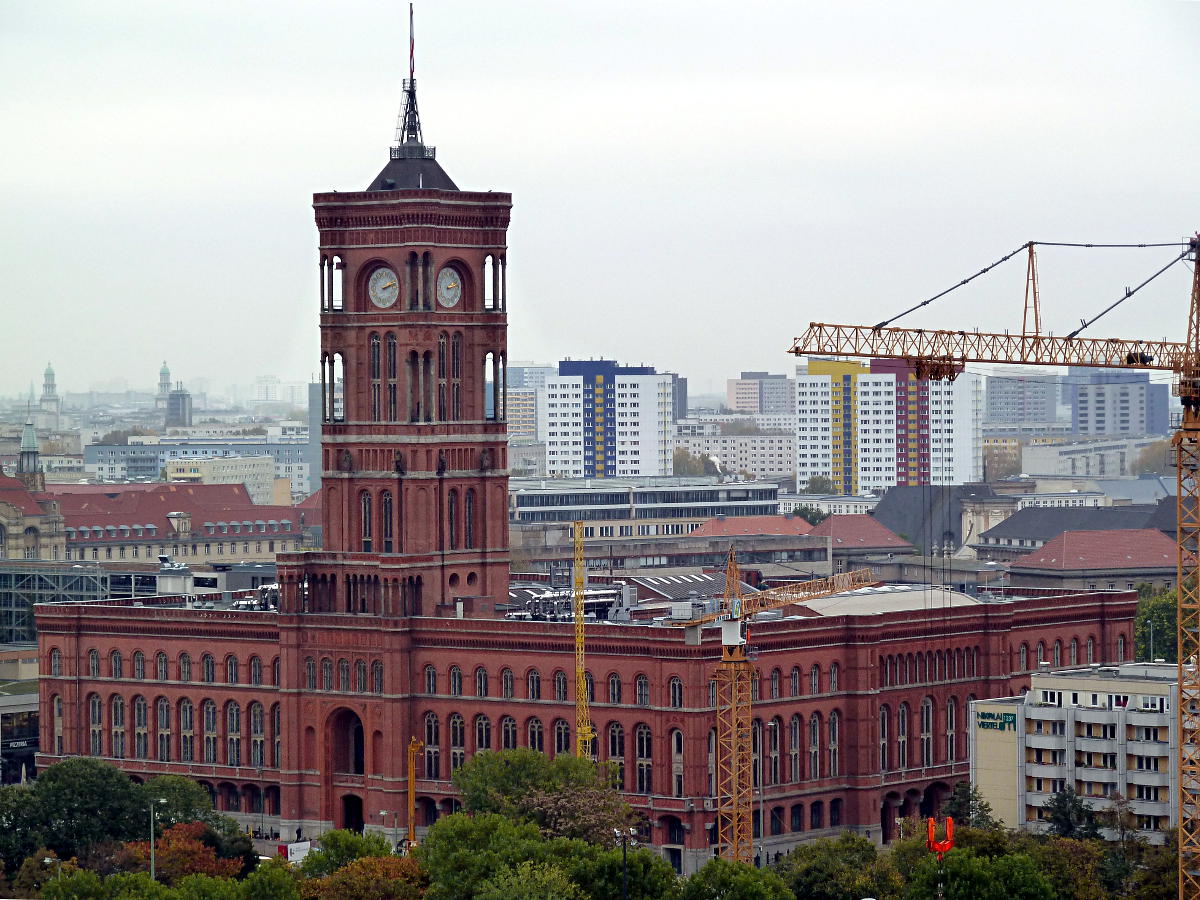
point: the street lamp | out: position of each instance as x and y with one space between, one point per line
154 804
762 793
383 814
625 835
53 859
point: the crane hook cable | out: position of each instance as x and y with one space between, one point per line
1008 256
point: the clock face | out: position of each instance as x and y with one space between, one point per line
449 287
383 287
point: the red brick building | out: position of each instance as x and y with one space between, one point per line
298 718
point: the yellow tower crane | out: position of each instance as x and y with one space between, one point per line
414 747
942 354
734 675
585 734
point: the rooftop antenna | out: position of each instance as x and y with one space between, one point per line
408 127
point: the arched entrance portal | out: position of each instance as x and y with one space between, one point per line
352 812
346 742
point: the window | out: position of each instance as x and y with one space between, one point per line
185 667
927 732
562 737
614 688
310 674
233 734
642 690
794 774
533 684
141 732
430 680
96 723
344 675
645 769
458 742
1091 650
536 735
834 673
483 733
377 677
93 664
814 746
139 665
327 674
258 737
616 753
675 691
208 668
360 676
884 715
255 671
231 670
433 753
481 682
560 686
902 737
508 733
55 662
456 687
116 669
506 684
776 679
951 727
160 666
795 681
589 684
187 724
834 728
162 725
814 679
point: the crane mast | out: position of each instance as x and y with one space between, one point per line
942 354
585 734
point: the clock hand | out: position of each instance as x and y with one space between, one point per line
390 284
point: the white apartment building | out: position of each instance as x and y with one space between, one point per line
760 455
832 504
870 426
1098 730
601 420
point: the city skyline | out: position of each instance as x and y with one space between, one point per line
855 159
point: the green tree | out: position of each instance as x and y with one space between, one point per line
1156 612
82 801
186 800
77 884
496 781
1157 878
1153 459
1069 816
820 484
602 871
370 878
340 847
685 462
136 886
208 887
273 880
829 868
965 876
461 852
811 514
530 881
1071 866
587 813
967 807
20 824
721 879
741 426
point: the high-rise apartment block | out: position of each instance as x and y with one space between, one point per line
1114 402
601 420
1021 396
761 392
870 426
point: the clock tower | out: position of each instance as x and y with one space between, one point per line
412 303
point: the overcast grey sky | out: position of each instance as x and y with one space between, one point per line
693 182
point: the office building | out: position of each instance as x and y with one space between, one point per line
761 392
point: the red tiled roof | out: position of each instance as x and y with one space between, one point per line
14 492
139 506
862 532
722 527
1141 548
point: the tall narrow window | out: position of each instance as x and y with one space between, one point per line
458 742
377 677
209 711
536 735
258 736
506 683
794 749
814 746
93 664
534 684
951 728
834 729
508 733
276 736
469 519
255 671
344 675
393 409
481 682
562 737
560 686
675 741
187 729
376 367
327 674
139 665
452 518
456 681
675 692
231 670
645 767
160 666
360 676
208 667
884 714
118 726
310 674
433 753
442 350
386 525
364 502
926 732
431 680
616 753
96 724
835 672
614 688
795 679
456 376
483 733
642 690
141 728
814 679
115 664
902 737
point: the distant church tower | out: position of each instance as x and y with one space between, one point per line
50 406
164 388
29 466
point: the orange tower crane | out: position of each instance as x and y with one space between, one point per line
938 354
414 747
735 750
585 734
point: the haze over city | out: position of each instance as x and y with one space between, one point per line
694 183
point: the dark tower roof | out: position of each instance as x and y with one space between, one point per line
412 165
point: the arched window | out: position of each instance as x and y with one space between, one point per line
456 687
430 680
616 753
794 749
116 667
310 674
276 736
344 675
589 685
96 724
1023 660
508 733
55 662
141 728
1120 648
376 371
795 679
483 733
1041 652
1091 650
645 752
458 742
187 729
185 667
927 732
814 746
386 523
1074 651
233 734
160 666
774 727
902 736
392 404
93 664
326 674
834 674
814 679
1057 653
481 682
208 668
560 686
562 737
162 727
118 727
360 677
231 670
452 517
642 690
469 519
951 728
364 519
256 671
614 688
533 682
506 684
676 692
258 735
139 665
884 715
536 735
834 728
776 683
433 751
377 677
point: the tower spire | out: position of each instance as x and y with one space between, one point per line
408 128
